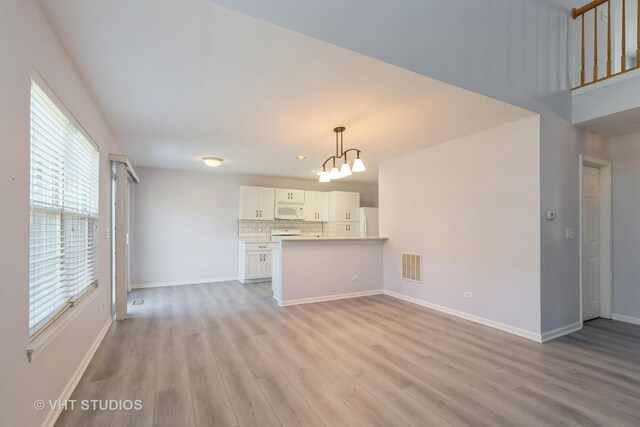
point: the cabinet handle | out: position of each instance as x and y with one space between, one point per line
257 213
260 213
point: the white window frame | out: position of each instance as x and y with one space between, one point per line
47 330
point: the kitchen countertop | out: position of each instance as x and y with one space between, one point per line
312 239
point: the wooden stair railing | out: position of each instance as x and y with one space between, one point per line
611 69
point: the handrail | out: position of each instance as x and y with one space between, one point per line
575 12
613 52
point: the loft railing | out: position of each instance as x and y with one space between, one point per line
617 55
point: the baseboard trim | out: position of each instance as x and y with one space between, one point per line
182 283
53 414
533 336
329 298
625 318
564 330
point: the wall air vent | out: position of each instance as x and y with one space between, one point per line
412 267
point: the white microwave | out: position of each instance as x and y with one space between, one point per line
287 211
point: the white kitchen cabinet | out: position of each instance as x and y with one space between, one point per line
346 229
284 195
344 206
316 206
255 261
257 203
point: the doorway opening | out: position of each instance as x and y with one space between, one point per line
595 239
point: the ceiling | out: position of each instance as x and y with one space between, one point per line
179 80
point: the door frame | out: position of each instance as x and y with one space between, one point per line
606 278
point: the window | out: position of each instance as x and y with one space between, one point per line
63 241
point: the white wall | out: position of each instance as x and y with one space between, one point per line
517 51
324 269
625 155
26 39
186 223
470 207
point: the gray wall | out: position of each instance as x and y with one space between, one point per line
516 51
185 226
27 40
625 154
474 220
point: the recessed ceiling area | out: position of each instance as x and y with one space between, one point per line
183 80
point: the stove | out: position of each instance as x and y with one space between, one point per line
278 234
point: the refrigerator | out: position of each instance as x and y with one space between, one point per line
368 222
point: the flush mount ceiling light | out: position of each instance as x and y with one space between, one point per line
212 161
341 154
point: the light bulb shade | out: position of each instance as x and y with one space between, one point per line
324 177
358 165
345 170
334 173
212 161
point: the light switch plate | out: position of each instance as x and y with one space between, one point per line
570 233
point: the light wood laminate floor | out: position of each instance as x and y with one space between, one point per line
226 354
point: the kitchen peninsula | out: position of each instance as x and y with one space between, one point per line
319 269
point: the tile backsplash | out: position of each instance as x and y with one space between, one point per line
253 230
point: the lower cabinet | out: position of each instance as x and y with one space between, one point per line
346 229
255 261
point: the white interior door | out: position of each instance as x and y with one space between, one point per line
590 243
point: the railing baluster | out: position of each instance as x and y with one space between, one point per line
623 58
609 38
582 59
595 44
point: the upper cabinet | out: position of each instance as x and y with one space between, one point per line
257 203
316 206
289 196
344 206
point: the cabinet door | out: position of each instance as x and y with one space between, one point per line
250 203
346 229
353 206
254 265
283 195
310 206
297 196
353 229
267 263
322 206
267 204
337 210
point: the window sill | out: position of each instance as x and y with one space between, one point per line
44 338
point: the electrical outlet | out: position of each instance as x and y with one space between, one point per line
468 294
355 277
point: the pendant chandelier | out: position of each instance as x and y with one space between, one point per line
341 155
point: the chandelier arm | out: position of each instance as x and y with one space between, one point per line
329 158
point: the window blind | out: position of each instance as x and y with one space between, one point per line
63 238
